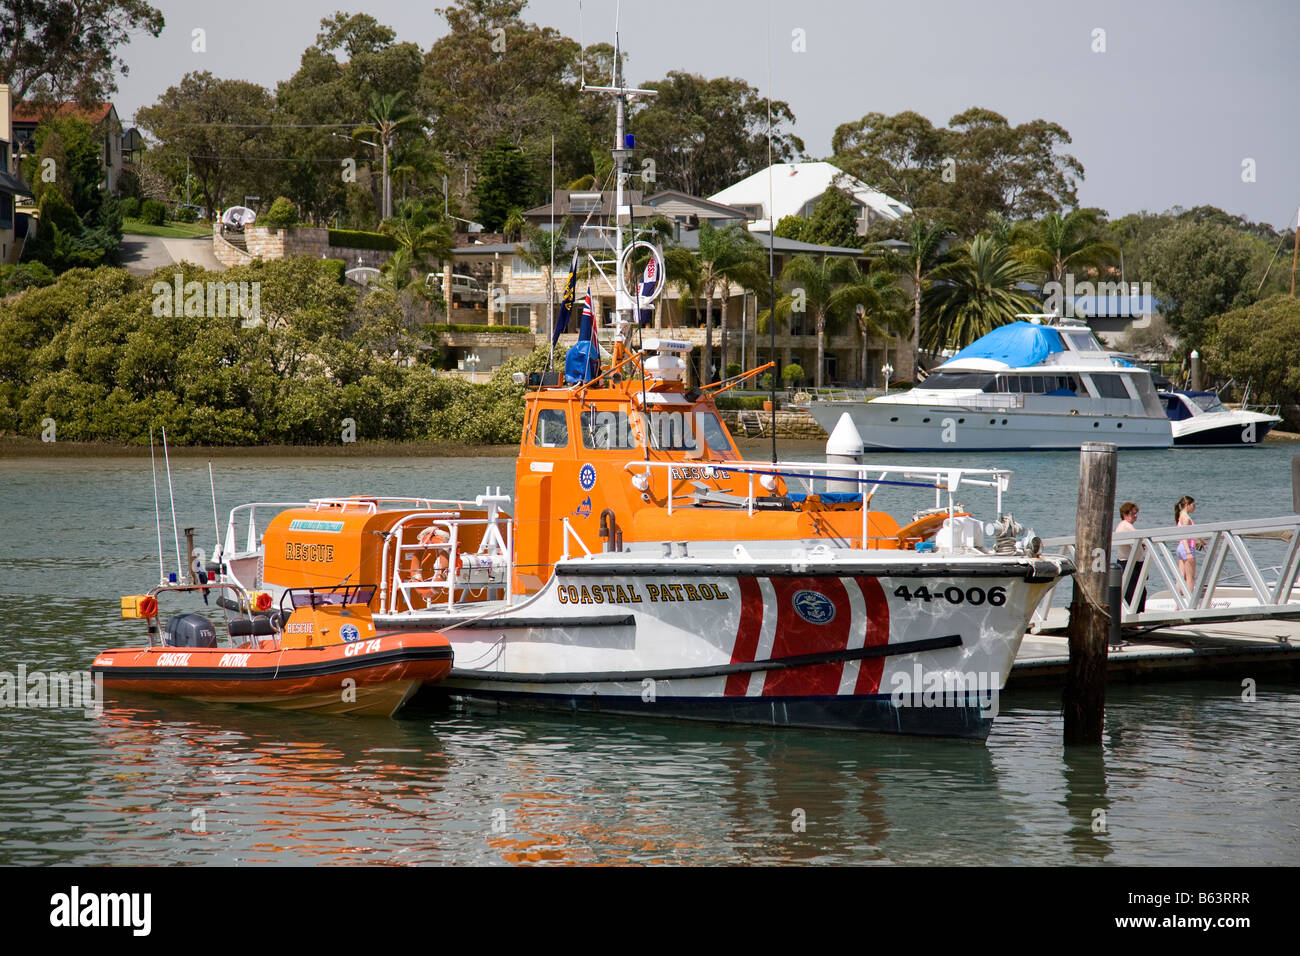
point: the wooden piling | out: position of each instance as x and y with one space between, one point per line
1084 700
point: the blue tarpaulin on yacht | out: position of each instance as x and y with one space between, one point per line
1017 344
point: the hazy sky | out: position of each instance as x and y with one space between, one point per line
1183 94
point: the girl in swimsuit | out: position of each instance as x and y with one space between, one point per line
1187 547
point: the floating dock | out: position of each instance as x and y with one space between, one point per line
1188 652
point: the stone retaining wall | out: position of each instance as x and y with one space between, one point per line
265 243
789 424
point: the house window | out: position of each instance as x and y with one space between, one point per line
521 269
521 315
584 202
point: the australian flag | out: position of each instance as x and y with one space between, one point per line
582 364
566 301
649 279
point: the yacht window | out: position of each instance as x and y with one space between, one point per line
1082 341
1036 384
1110 386
1209 403
956 379
606 430
552 429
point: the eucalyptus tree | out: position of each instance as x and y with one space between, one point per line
973 293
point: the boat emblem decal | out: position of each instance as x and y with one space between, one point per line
349 632
587 477
813 607
583 510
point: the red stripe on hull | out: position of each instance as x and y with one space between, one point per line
871 670
751 623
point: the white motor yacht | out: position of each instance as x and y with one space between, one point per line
1039 384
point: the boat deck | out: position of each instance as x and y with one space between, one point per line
1203 651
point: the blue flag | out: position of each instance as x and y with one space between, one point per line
566 301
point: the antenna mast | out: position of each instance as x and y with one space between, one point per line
623 145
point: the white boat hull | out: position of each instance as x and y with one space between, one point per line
812 647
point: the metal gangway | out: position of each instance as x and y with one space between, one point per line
1231 582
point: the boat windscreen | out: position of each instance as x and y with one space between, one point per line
985 381
700 430
1208 401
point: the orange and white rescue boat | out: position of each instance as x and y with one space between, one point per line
318 652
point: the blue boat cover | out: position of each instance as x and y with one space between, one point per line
1018 344
582 363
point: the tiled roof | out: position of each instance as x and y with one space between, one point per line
25 112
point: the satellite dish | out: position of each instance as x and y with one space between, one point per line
238 216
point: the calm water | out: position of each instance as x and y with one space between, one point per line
1189 773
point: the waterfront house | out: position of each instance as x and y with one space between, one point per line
102 116
794 190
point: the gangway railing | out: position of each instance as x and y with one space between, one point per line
1258 589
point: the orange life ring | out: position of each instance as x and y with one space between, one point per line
415 561
924 528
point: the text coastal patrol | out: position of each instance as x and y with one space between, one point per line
629 594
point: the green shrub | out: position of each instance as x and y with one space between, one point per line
765 381
792 374
282 214
186 214
733 369
153 212
130 208
24 276
738 402
356 239
509 329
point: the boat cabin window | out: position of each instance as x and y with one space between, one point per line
552 428
1110 386
672 430
1082 341
1209 402
981 380
606 430
1038 384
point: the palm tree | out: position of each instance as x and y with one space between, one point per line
543 247
831 289
386 118
726 256
973 293
1056 243
683 270
880 309
924 253
421 240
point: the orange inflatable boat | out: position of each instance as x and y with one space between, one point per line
319 652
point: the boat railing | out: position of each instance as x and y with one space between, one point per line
570 533
490 567
992 401
371 504
1229 556
248 513
868 479
243 602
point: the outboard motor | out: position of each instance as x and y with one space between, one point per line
190 630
